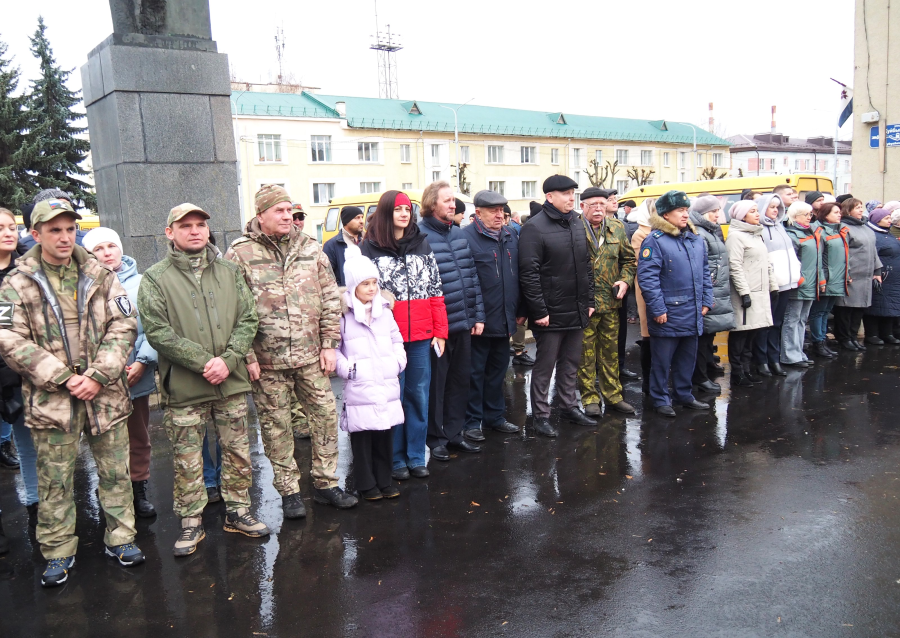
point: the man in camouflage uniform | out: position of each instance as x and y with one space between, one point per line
614 269
199 316
299 328
67 327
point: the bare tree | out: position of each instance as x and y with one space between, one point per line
642 176
598 175
464 185
711 173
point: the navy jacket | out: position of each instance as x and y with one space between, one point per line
335 248
886 301
497 262
673 274
459 279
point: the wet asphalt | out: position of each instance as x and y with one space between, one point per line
775 513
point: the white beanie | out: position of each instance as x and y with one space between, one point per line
358 268
101 235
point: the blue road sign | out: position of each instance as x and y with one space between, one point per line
892 136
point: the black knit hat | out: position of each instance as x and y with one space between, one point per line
349 213
840 199
460 206
534 208
812 196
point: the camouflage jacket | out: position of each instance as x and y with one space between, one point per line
613 261
296 297
33 342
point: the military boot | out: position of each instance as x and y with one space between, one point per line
142 507
241 522
191 534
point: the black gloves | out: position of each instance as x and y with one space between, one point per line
745 301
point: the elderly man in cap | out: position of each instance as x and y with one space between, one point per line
299 216
614 270
199 315
673 273
495 249
67 327
352 224
294 351
557 282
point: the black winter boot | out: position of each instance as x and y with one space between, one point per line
645 365
142 507
4 544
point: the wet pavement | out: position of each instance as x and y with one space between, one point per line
775 513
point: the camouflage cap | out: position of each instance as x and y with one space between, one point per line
183 209
298 207
49 208
269 195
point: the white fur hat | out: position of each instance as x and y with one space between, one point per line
101 235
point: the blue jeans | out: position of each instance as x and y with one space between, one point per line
212 472
409 437
27 455
818 317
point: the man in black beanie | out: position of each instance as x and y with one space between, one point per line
460 212
352 224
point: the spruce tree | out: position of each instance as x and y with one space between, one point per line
54 151
13 122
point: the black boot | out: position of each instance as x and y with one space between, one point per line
8 456
748 372
738 378
32 515
645 365
142 507
4 544
821 350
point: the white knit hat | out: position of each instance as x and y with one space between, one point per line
101 235
358 268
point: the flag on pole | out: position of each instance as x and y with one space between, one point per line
846 105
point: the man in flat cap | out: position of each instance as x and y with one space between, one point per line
614 270
299 311
199 315
67 327
352 223
557 282
495 248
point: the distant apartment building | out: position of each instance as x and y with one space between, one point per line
767 154
325 146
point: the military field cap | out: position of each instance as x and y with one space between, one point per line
49 208
180 211
559 183
298 207
489 199
593 191
269 195
672 200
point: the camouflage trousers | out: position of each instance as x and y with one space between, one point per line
299 422
56 455
273 394
600 358
185 427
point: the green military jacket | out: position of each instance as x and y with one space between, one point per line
296 297
190 322
33 342
613 261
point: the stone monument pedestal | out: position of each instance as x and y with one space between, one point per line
159 116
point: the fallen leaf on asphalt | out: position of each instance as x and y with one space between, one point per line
474 504
230 597
505 622
602 473
628 477
649 540
371 538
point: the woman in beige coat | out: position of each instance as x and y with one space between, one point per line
643 215
752 281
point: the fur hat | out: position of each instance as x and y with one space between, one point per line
670 201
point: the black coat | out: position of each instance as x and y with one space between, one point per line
459 279
886 301
10 409
335 248
555 271
497 262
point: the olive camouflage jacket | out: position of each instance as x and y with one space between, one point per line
613 261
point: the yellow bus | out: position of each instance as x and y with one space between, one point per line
368 203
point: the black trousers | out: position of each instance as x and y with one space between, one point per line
623 332
448 395
878 326
704 357
490 361
740 348
846 323
373 452
559 350
767 345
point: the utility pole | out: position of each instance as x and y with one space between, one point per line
456 135
387 45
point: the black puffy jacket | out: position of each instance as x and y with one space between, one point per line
497 262
459 279
555 272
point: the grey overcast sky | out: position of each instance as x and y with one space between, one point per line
638 58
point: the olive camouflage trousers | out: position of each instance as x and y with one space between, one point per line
600 358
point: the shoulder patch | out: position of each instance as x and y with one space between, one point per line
6 314
646 253
657 233
124 304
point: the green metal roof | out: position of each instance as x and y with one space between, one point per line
400 115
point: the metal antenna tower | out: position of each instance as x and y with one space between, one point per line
279 52
387 45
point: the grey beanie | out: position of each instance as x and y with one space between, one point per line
705 204
52 193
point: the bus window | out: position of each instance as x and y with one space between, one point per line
415 212
369 214
727 202
331 219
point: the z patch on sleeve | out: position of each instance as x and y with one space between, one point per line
646 253
6 314
124 304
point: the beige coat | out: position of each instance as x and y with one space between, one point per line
636 240
751 274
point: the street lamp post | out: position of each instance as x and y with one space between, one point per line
456 135
694 169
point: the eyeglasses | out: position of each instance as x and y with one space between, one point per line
594 205
299 217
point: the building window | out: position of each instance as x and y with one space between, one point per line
806 164
699 160
323 193
554 156
598 155
622 186
406 186
528 155
404 154
321 148
497 187
576 158
824 166
786 161
529 189
846 167
435 176
435 154
666 160
269 148
369 187
367 151
464 154
622 157
682 174
682 159
646 158
494 155
718 160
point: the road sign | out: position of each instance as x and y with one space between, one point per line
892 136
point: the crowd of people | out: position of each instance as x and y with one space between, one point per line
421 321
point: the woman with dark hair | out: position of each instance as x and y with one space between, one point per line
863 266
408 270
835 255
879 318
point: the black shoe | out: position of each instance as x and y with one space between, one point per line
213 495
440 453
860 346
754 379
8 456
628 374
32 515
418 472
401 475
293 506
821 350
506 428
665 410
798 364
695 405
542 426
334 496
875 341
777 370
390 492
741 380
523 359
645 365
57 571
4 542
373 494
710 387
475 434
892 340
715 370
763 370
142 507
834 353
464 446
578 417
851 345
